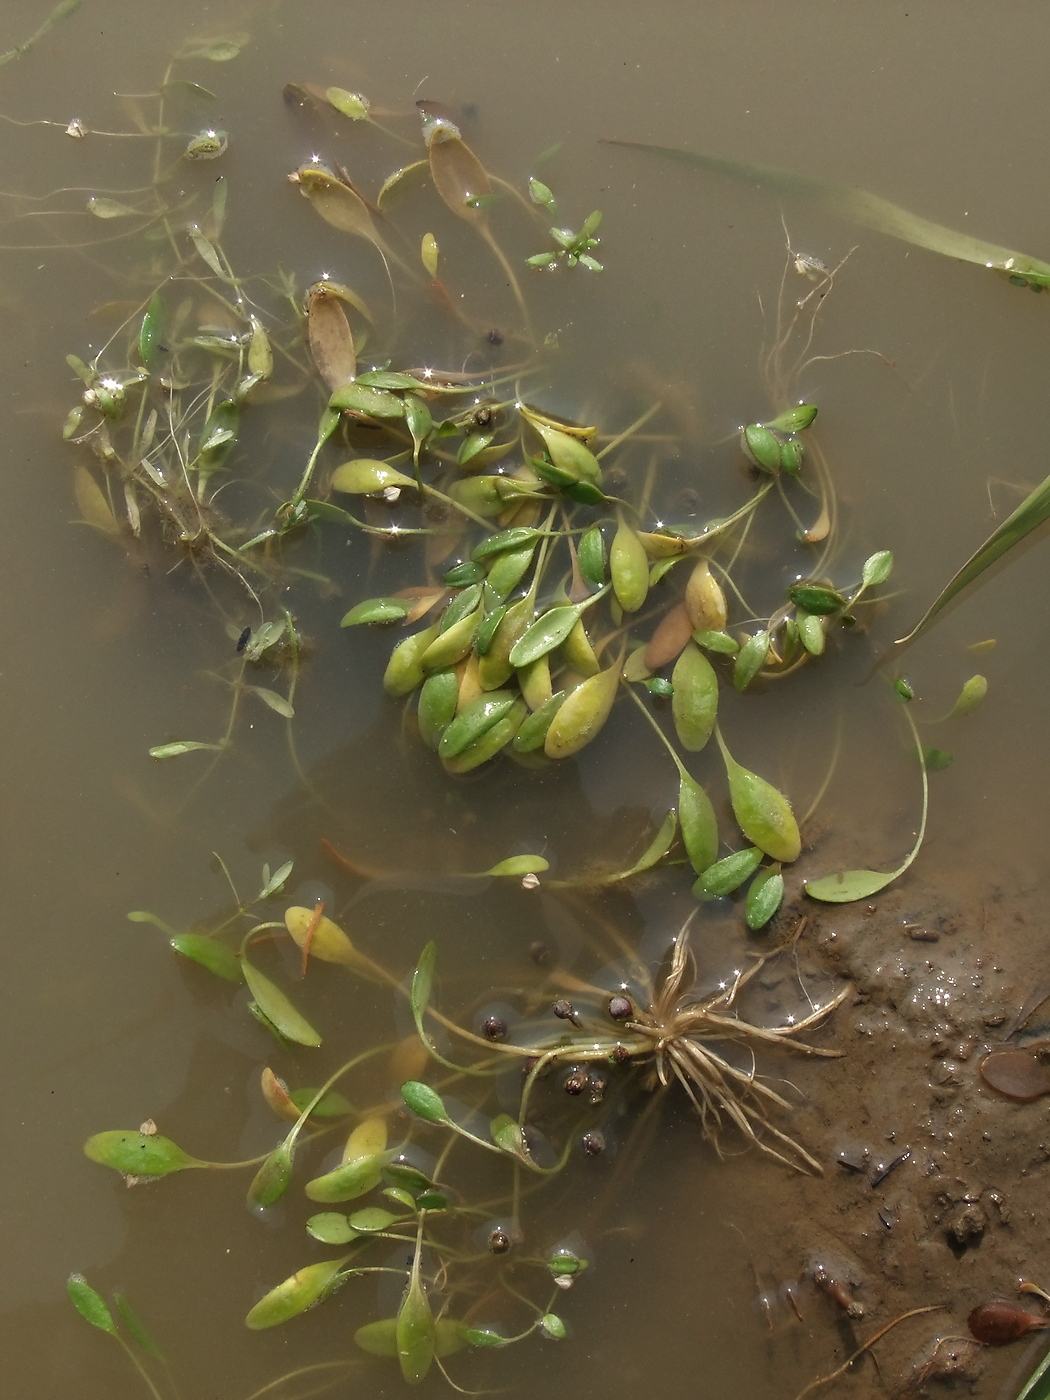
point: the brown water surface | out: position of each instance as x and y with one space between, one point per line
931 440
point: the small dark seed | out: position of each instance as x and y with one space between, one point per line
621 1054
576 1082
482 416
494 338
492 1028
598 1086
499 1242
593 1142
565 1011
540 954
620 1007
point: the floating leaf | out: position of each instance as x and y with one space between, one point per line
761 446
848 885
328 942
816 599
277 1008
794 420
877 568
811 633
567 452
272 884
367 1139
750 660
437 705
764 897
473 721
591 558
271 1180
330 1228
533 731
520 865
506 1134
424 1101
629 569
694 703
971 695
370 1219
763 814
696 817
404 671
91 1306
553 1328
364 477
415 1332
294 1295
209 953
330 337
138 1154
459 177
547 632
582 714
484 1337
729 873
351 104
720 642
350 1180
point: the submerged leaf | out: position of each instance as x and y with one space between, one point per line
294 1295
271 1180
327 941
971 695
210 953
763 814
582 714
694 702
354 1178
276 1007
848 885
696 816
764 897
729 873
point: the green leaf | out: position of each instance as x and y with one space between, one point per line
415 1330
377 610
364 477
91 1306
410 1178
138 1154
506 1134
936 760
869 210
350 1180
182 746
209 953
137 1328
696 816
877 568
109 208
378 1338
764 897
370 1219
271 1180
761 446
552 1327
150 331
503 540
547 632
330 1228
816 599
273 701
591 558
694 702
424 1101
750 660
971 695
276 1007
332 1105
721 642
794 420
422 986
729 873
811 633
220 50
437 705
1037 1387
474 720
350 104
763 814
848 885
294 1295
519 865
372 403
484 1337
274 883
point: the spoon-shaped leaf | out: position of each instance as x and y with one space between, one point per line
696 816
519 865
294 1295
763 814
629 568
424 1101
277 1008
328 942
364 477
459 177
374 610
271 1180
971 695
208 952
764 897
329 336
91 1306
350 1180
415 1325
548 631
583 713
729 873
423 986
331 1227
694 702
866 209
139 1154
404 670
378 1338
472 721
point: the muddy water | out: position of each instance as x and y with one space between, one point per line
931 440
